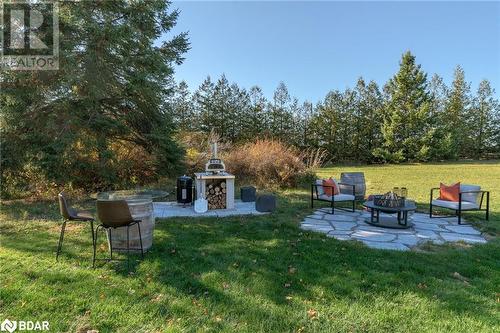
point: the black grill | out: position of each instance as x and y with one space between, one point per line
184 190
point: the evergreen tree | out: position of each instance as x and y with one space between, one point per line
73 125
484 122
456 115
442 146
327 125
204 105
256 121
368 120
304 127
406 129
279 113
182 106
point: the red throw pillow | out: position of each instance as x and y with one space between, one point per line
449 193
330 187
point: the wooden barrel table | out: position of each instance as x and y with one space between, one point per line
358 180
141 208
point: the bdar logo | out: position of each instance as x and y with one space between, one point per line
8 325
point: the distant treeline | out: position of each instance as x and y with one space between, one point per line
411 118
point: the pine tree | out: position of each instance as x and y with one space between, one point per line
327 125
442 145
456 115
203 100
368 120
484 122
279 113
183 112
405 129
256 121
73 125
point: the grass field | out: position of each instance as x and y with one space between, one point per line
256 274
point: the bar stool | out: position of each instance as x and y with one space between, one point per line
70 214
115 214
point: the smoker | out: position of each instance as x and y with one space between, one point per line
184 190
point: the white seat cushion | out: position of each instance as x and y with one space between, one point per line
470 197
466 205
338 197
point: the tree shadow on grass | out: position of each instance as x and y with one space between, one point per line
321 263
234 262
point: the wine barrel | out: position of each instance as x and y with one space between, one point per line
140 209
358 180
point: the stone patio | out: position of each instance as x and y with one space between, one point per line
172 209
352 226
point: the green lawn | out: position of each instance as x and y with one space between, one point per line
252 274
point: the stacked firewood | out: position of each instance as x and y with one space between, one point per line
216 195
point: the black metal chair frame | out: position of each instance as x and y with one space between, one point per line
314 190
459 211
108 230
71 218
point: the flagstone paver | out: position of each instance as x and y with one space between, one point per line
463 229
335 217
349 226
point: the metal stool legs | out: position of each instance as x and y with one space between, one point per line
111 243
61 239
140 239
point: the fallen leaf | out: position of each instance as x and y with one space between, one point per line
173 251
291 270
225 285
312 314
157 298
218 319
460 277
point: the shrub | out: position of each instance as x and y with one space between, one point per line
267 163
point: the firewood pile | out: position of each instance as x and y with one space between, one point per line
216 195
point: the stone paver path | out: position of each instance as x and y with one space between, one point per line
172 209
352 226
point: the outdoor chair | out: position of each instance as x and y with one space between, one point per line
70 214
471 198
115 214
345 195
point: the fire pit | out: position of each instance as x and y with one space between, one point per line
389 200
395 207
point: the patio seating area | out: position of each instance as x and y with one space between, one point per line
351 226
391 221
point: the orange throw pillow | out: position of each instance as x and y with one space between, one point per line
449 193
330 187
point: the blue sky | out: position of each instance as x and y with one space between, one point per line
315 47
